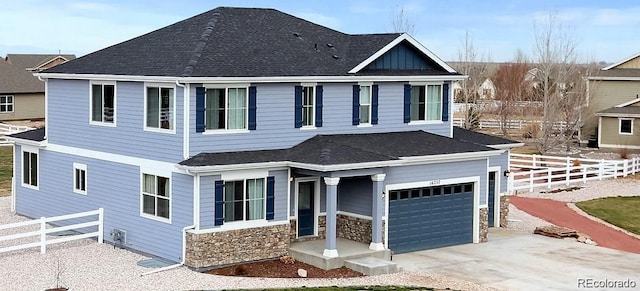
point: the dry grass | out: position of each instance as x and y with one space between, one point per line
6 170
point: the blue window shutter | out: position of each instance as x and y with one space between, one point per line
407 103
445 102
270 197
374 104
252 108
356 105
318 106
200 108
298 107
219 202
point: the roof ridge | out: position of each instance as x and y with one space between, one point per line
202 43
360 149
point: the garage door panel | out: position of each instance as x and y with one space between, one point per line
431 221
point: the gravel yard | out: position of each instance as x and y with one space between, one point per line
91 266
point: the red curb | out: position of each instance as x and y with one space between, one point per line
560 214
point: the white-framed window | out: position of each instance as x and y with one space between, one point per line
156 197
626 126
6 103
160 108
226 108
308 106
365 104
103 103
245 200
426 102
80 178
30 168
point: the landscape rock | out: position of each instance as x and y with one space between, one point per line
302 273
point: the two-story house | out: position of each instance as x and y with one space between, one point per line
228 136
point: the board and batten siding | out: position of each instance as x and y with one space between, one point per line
207 198
121 200
275 118
441 171
69 115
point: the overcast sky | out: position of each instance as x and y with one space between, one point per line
603 30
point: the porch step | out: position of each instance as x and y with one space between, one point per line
371 266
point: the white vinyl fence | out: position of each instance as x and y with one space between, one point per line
43 231
536 171
6 129
510 124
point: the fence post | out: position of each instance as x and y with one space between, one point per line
600 169
534 161
625 170
568 170
43 235
549 177
584 173
530 181
100 225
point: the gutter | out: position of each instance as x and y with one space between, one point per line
184 254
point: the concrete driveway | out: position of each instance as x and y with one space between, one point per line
522 261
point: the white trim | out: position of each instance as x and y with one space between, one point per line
395 42
331 181
82 167
360 216
115 103
226 88
243 80
599 130
170 197
617 146
378 177
370 104
289 181
598 78
476 200
13 103
426 119
496 194
196 202
506 146
425 122
621 62
308 127
243 175
376 246
620 126
313 107
634 101
309 84
31 150
618 115
185 119
227 226
46 107
224 131
450 157
316 203
115 158
160 86
330 253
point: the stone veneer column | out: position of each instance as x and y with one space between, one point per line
377 208
331 250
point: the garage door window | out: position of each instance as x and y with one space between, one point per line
430 191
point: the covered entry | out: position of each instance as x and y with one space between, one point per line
430 217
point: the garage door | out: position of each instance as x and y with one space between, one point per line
430 217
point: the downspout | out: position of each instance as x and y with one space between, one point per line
185 119
184 253
46 106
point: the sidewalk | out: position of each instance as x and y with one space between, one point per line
560 214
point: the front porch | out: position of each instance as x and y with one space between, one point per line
350 254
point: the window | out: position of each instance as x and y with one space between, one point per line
6 103
156 196
103 103
226 108
79 178
244 200
30 169
626 126
308 109
365 104
159 108
426 103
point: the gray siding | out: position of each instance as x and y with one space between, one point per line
275 119
280 203
408 174
355 195
121 201
68 122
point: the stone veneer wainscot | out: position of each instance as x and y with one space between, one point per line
484 224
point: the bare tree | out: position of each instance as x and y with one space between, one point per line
474 65
557 86
401 22
512 85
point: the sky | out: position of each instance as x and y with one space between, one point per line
606 31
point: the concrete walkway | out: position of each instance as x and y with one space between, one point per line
522 261
560 214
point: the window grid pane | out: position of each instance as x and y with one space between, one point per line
365 104
308 101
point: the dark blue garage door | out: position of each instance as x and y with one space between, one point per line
430 217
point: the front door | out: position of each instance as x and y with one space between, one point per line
306 209
492 198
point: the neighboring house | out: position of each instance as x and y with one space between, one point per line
21 93
611 105
233 134
619 126
486 91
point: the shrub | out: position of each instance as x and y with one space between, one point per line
531 130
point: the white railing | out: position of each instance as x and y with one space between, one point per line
510 124
536 171
43 231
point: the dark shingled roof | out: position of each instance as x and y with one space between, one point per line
14 76
235 42
621 110
622 73
33 135
479 138
346 149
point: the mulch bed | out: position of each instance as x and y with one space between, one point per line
278 269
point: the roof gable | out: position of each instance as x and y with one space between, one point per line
16 72
633 102
404 57
632 62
